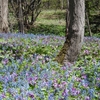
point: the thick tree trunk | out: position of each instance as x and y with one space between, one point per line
75 32
4 16
0 15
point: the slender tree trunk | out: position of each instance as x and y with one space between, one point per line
26 22
20 18
48 4
75 29
88 23
4 16
67 18
61 4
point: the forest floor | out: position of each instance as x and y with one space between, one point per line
28 70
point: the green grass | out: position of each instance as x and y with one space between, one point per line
51 17
59 22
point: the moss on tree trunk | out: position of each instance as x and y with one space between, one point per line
75 32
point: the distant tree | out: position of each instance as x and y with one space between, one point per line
92 15
75 32
4 16
26 12
20 17
62 4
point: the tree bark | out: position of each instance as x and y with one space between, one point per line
0 15
61 4
20 18
4 16
88 24
75 32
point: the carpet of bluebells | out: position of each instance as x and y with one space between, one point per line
28 70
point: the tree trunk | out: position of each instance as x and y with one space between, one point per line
88 24
4 16
75 32
0 15
48 4
61 4
20 18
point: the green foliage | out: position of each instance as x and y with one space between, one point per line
97 35
48 29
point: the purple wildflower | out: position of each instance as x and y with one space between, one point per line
87 98
31 95
84 83
36 78
63 68
74 91
84 76
86 52
3 95
55 85
5 61
53 72
78 79
65 92
98 79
